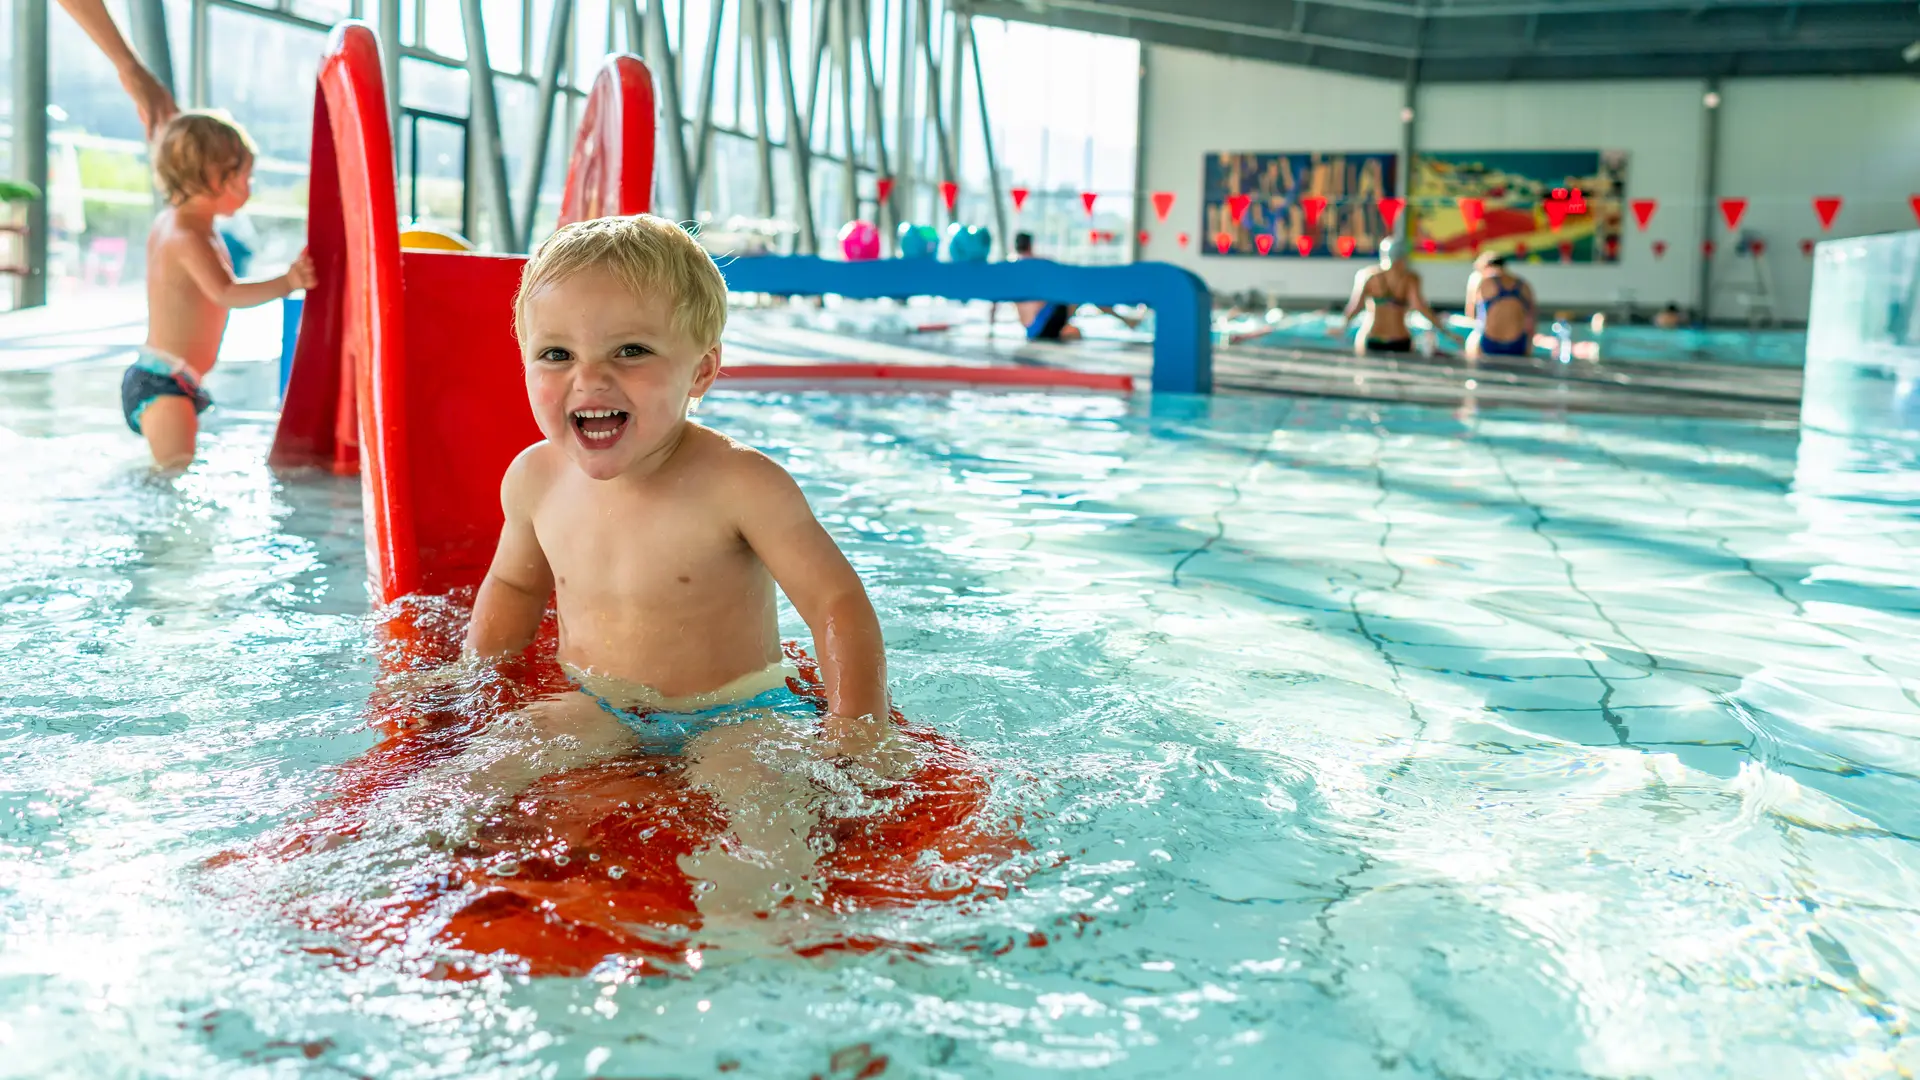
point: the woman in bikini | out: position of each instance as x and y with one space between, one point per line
1503 310
1386 293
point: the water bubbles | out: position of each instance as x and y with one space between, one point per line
946 878
821 843
562 860
616 872
703 886
504 869
781 888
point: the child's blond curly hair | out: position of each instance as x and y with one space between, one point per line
197 152
646 253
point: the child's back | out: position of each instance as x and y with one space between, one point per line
205 167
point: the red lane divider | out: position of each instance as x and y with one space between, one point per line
953 373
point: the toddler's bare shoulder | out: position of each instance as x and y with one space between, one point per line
735 461
530 473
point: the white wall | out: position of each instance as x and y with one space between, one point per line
1659 125
1197 103
1782 142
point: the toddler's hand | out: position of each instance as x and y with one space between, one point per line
301 275
873 744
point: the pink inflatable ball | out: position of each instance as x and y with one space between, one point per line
859 241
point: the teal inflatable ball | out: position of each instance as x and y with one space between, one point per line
918 241
968 243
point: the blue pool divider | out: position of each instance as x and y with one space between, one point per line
1182 306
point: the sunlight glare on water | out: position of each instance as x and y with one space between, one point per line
1363 740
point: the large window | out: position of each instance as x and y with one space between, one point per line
1062 105
265 79
1065 108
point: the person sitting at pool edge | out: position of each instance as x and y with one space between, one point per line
1503 309
204 166
1046 320
1387 292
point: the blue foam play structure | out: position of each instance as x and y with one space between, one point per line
1182 306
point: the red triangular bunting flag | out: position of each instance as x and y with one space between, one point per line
949 193
1556 213
1643 212
1733 210
1086 200
1237 206
1827 207
1019 197
1344 245
1264 242
1223 241
1163 203
1472 211
1390 210
1305 244
1659 248
1313 206
1806 247
884 187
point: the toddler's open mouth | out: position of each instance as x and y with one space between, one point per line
598 427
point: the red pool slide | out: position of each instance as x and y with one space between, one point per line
406 368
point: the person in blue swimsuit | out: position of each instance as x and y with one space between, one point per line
1047 320
1503 310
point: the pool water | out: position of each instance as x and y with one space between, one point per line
1615 344
1376 741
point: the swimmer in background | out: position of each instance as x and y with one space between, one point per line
1669 318
660 543
1503 310
1046 320
1387 292
204 166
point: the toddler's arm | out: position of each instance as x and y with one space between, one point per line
780 527
512 599
198 256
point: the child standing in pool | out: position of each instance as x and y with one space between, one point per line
204 165
661 543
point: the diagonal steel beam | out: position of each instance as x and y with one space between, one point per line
876 116
486 118
548 91
660 57
799 144
934 109
703 130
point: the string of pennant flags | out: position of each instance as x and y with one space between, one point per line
1560 204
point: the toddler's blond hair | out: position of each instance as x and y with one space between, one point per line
645 253
197 152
